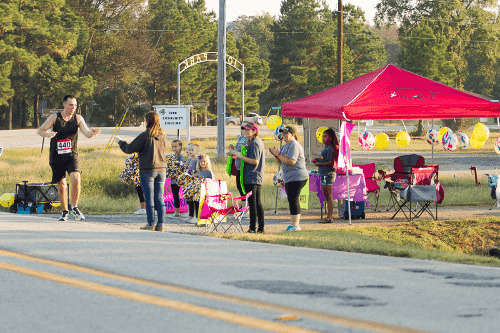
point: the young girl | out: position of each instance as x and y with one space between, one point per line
204 167
176 149
192 149
325 162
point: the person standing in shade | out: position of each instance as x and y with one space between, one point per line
326 163
242 141
295 175
152 148
63 154
253 174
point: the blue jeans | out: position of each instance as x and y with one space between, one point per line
153 186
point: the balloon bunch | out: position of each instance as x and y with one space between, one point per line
480 134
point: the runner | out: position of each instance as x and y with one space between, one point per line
63 156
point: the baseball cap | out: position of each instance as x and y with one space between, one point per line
250 126
288 129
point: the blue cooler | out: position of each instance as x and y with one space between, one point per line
357 210
28 208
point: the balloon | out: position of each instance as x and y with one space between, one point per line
55 203
277 134
278 179
366 140
273 122
402 139
381 141
441 132
476 144
432 137
463 140
497 146
449 141
482 134
7 200
319 133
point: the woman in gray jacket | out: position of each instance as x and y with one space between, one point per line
151 146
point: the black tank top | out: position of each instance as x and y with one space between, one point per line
64 144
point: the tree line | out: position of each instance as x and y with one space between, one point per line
118 55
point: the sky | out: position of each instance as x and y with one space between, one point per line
235 8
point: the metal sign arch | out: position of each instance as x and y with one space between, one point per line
211 57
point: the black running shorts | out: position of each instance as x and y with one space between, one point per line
60 168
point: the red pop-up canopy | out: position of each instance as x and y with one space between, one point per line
391 93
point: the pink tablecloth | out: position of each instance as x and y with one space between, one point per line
357 188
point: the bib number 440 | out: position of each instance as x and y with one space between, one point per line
64 146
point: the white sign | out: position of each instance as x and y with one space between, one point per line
1 151
173 116
367 122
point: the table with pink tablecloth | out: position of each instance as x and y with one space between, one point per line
357 188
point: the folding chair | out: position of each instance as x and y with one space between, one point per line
372 187
493 183
220 210
401 177
418 197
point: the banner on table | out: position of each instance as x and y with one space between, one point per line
168 197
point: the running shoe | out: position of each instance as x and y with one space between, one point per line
64 216
291 228
77 214
140 211
175 216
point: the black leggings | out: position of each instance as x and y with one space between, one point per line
140 193
193 208
175 192
293 191
255 206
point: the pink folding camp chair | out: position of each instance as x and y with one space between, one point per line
372 187
222 210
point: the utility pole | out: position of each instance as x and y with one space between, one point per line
340 42
221 82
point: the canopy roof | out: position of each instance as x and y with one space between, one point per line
391 93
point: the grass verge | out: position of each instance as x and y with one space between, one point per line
457 241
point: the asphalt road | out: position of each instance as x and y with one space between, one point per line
98 277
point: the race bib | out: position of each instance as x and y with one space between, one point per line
64 146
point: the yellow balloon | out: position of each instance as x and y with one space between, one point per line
479 127
273 122
55 203
441 132
319 133
402 139
482 136
7 200
381 141
475 143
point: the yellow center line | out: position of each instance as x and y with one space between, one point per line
327 317
148 299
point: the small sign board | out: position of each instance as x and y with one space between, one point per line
173 116
200 103
367 122
1 151
47 112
